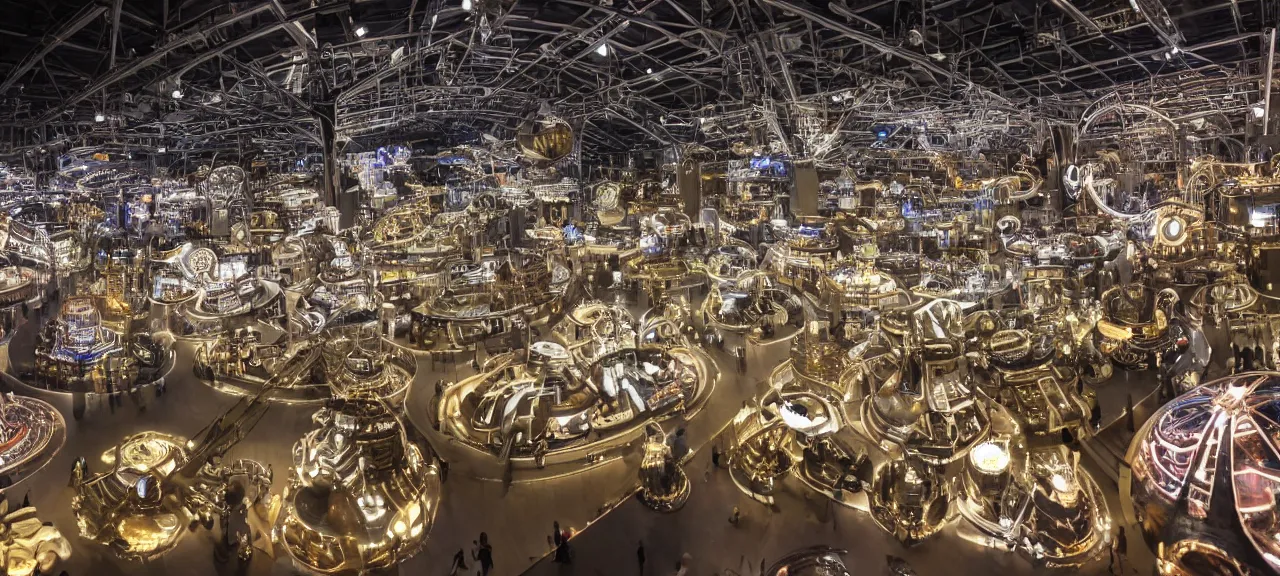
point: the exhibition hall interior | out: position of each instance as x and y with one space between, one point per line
639 287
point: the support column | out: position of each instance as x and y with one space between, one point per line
804 192
347 202
328 140
689 180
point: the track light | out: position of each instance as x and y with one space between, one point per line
99 117
603 49
361 31
466 5
177 94
648 70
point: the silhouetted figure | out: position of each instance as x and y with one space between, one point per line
459 563
1119 552
484 555
640 557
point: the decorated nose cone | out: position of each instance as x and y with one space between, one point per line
1206 472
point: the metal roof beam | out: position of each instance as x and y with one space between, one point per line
67 30
919 60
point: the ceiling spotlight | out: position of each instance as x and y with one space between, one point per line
177 94
466 5
603 49
361 31
648 70
99 117
1259 111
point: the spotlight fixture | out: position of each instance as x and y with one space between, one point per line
162 150
177 94
648 70
603 49
1258 111
99 117
466 5
361 31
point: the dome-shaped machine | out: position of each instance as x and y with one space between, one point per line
1206 474
361 497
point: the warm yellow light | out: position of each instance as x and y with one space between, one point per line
990 458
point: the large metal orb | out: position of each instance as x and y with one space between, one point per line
546 140
1206 474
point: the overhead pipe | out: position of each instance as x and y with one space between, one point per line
1266 83
1084 20
300 36
1148 53
112 77
66 31
150 59
917 59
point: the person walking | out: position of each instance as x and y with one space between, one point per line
444 470
640 557
680 445
459 563
562 552
484 555
1119 550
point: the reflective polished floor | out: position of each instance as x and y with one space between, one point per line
597 503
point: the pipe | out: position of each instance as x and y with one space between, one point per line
869 40
82 19
1266 102
1144 54
115 31
136 66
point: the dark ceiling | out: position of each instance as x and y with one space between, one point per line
271 75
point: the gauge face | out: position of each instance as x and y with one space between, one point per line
202 261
